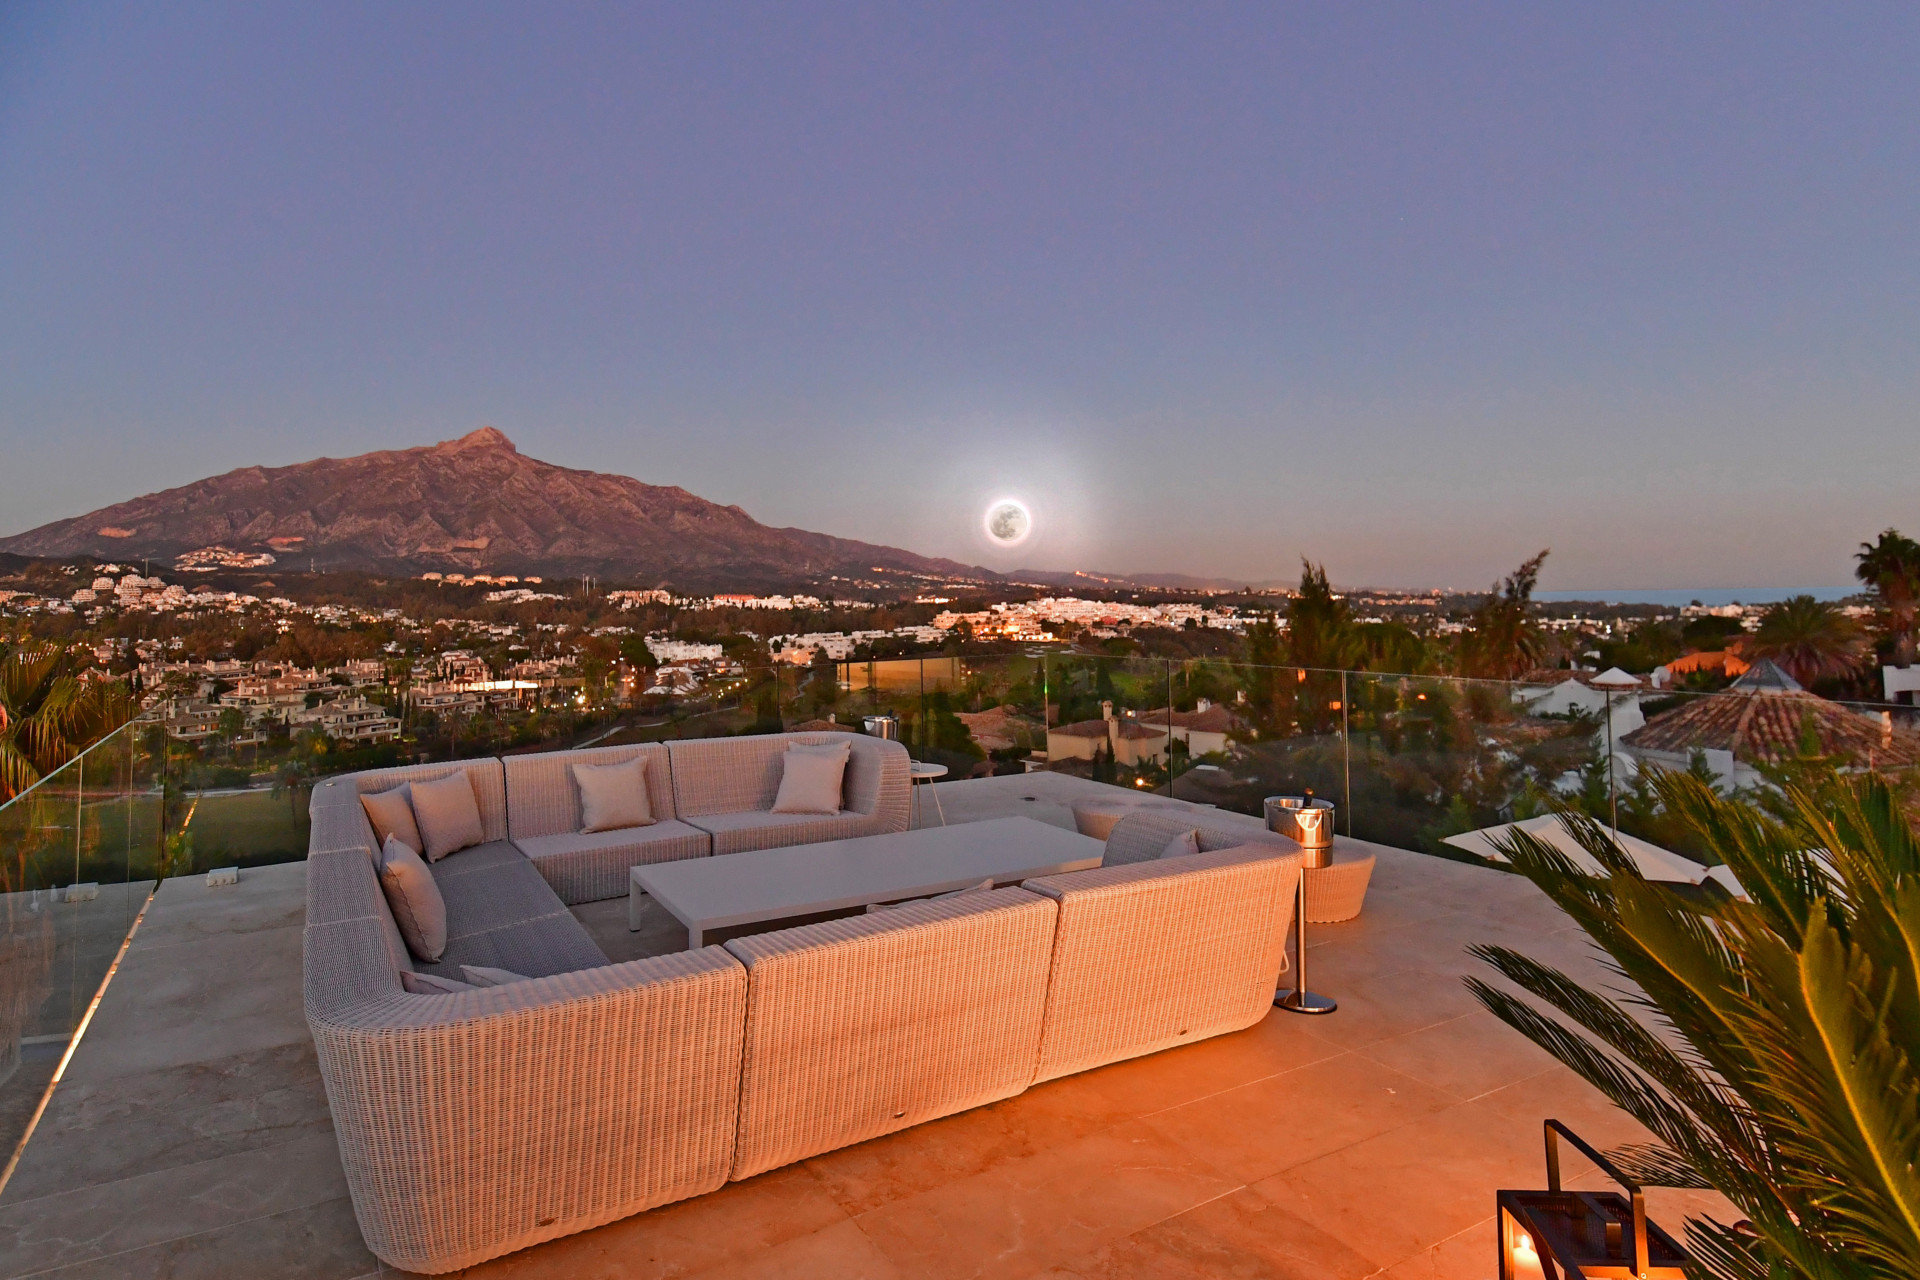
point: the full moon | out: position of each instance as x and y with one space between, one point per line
1009 522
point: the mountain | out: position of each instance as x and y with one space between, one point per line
473 505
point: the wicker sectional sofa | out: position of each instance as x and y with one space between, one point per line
477 1123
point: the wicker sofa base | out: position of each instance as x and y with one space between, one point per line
482 1122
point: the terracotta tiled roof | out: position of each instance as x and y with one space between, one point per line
822 726
1129 729
1767 727
1215 719
996 726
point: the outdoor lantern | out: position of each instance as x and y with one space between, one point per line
1582 1235
1309 822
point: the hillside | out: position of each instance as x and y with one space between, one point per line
476 504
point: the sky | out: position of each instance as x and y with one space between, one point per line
1413 290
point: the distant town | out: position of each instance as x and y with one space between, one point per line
246 661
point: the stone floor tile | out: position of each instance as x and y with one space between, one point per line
839 1252
1397 1194
914 1160
186 911
1473 1054
739 1221
1045 1210
1239 1235
1468 1255
102 1130
1382 1005
152 1208
1278 1043
161 1012
318 1242
1259 1129
1559 1094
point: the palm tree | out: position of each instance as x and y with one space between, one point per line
1810 640
1772 1044
48 714
1502 640
292 774
1890 565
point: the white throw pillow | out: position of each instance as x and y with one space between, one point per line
391 813
1184 845
613 796
810 781
448 814
418 909
985 886
432 984
481 976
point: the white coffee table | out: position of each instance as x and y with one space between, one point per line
774 884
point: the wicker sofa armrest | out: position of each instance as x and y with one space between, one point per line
879 781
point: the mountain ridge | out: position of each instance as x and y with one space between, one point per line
474 504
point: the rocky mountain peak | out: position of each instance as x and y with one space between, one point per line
454 505
484 438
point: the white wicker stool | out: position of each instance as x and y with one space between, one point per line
1336 892
1097 816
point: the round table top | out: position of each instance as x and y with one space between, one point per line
921 769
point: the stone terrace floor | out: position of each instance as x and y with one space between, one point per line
191 1135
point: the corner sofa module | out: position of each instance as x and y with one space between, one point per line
500 912
544 817
477 1123
726 787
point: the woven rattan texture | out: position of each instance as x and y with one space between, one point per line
543 799
1152 955
740 775
474 1124
863 1026
1139 837
489 787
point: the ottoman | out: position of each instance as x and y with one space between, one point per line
1336 892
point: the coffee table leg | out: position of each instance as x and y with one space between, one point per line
636 903
693 938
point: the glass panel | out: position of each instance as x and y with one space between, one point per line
68 846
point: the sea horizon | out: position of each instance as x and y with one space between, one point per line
1681 596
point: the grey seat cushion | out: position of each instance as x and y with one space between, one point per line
502 913
587 866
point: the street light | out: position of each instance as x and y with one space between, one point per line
1609 682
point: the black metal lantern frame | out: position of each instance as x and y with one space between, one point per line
1582 1235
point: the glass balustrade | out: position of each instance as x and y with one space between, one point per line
1412 761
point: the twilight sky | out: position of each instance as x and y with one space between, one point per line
1415 290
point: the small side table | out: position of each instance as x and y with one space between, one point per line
924 774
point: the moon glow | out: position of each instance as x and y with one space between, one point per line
1008 522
